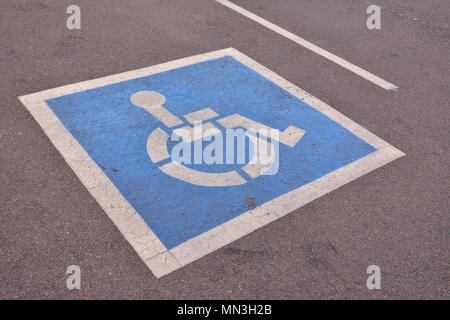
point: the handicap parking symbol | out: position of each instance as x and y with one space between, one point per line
157 149
188 156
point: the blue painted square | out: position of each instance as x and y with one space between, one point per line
114 133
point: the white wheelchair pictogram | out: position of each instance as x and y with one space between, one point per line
157 142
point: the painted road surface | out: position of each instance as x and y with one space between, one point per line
53 200
114 132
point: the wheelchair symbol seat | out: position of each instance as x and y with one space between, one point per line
157 141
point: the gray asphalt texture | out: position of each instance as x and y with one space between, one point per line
396 217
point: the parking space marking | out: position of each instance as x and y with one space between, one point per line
167 219
311 46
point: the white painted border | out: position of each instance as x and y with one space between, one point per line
160 260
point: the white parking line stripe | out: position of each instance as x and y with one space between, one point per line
308 45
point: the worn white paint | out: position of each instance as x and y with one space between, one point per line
189 134
201 115
290 136
157 145
206 179
261 161
153 102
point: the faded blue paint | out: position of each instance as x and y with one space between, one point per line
114 133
